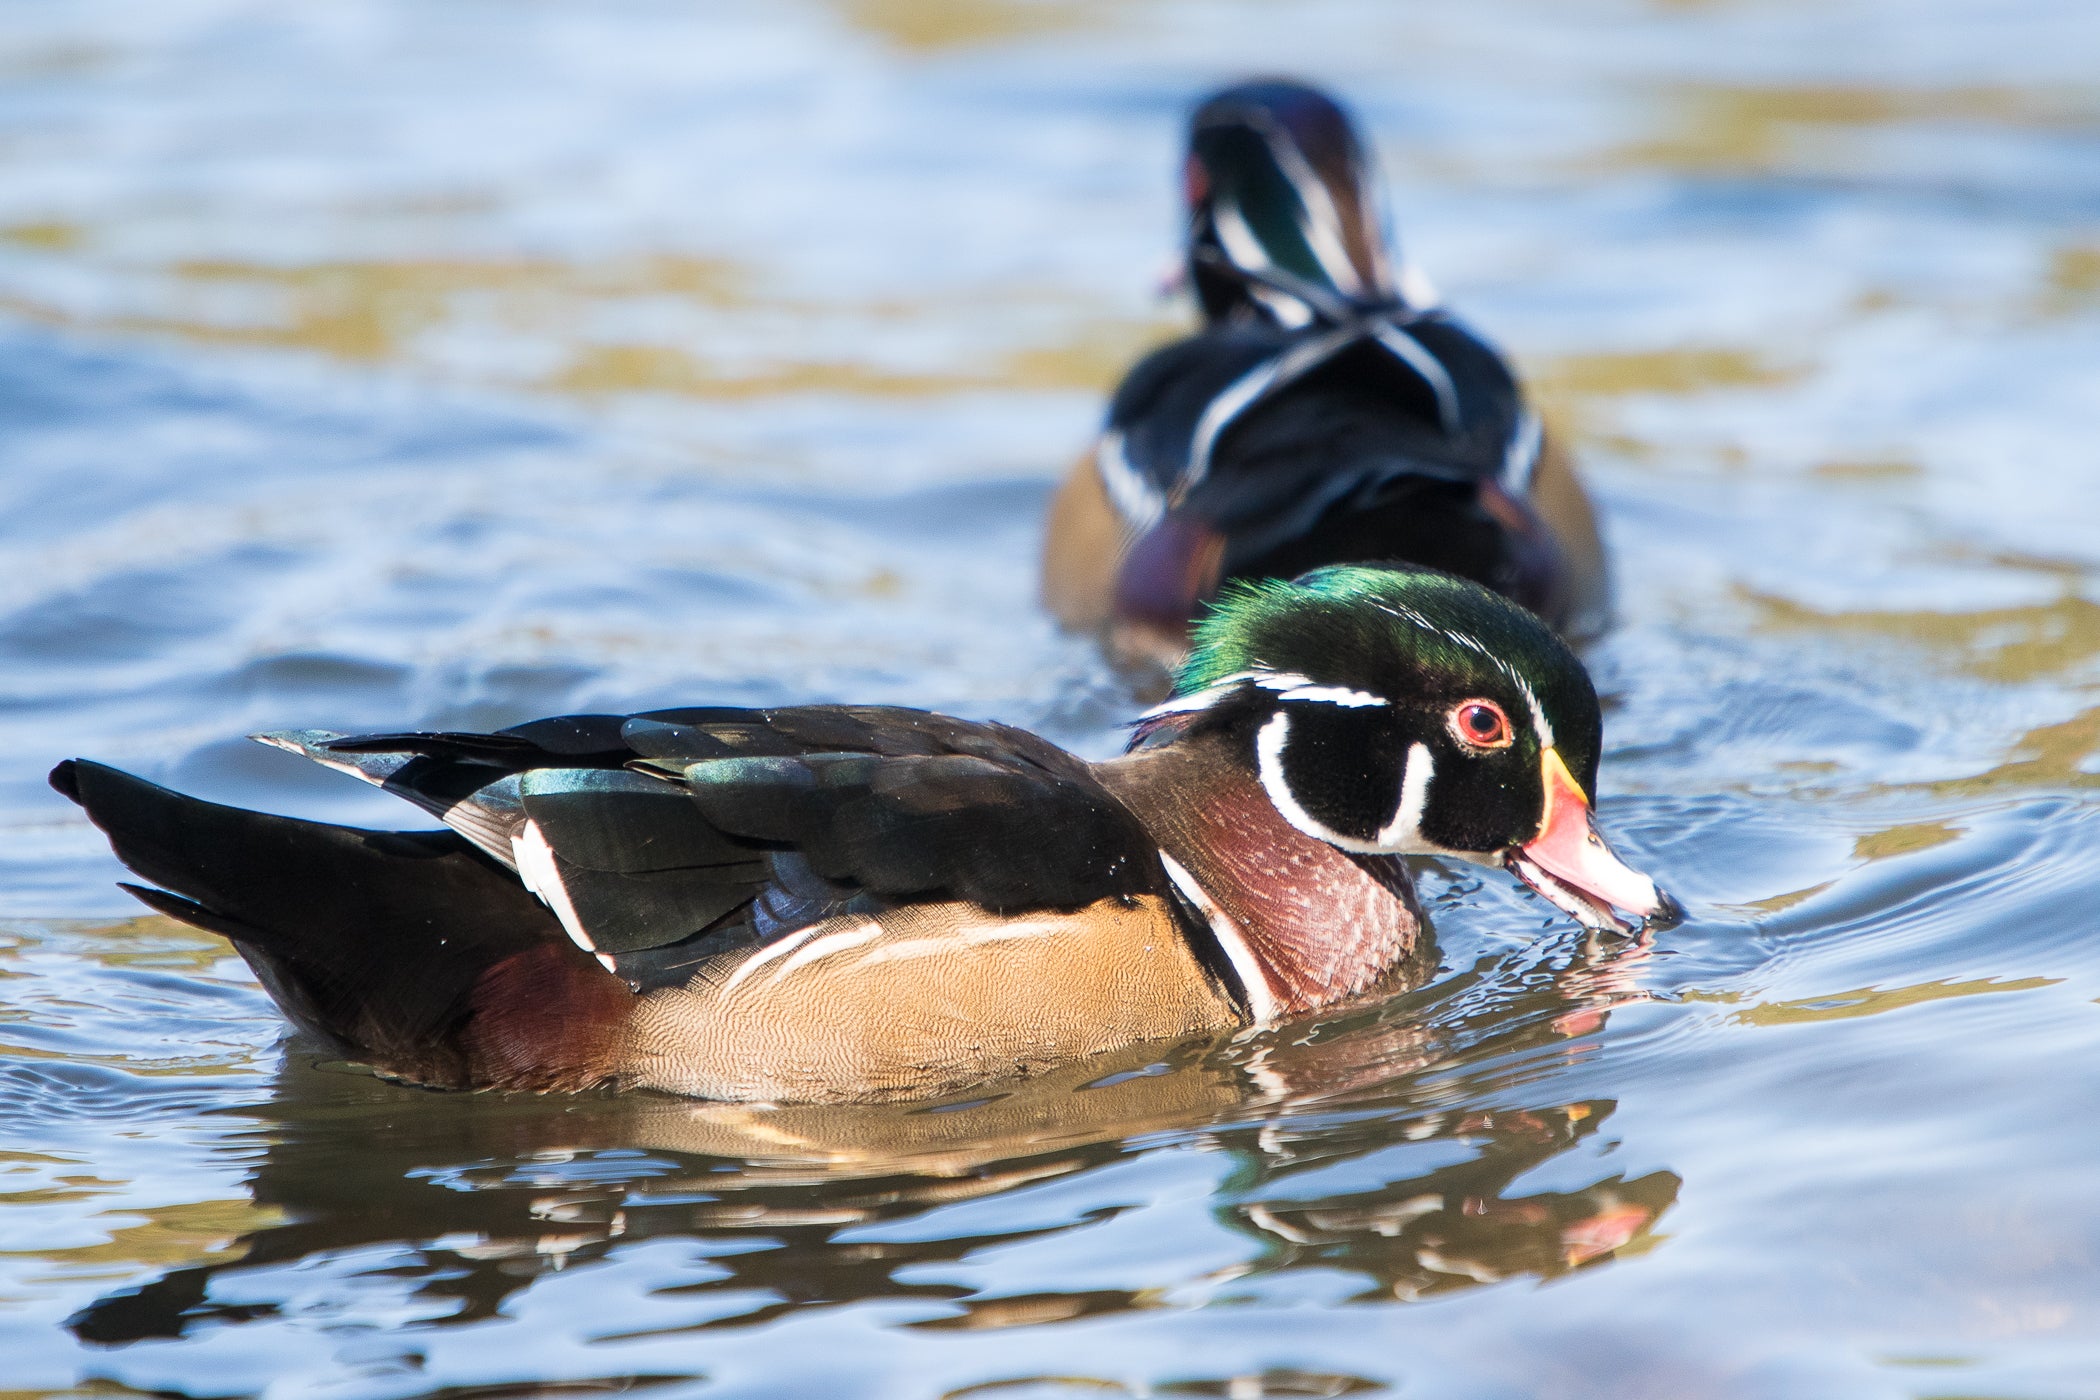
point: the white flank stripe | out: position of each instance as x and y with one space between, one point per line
1404 831
969 938
1262 1001
767 954
542 876
837 941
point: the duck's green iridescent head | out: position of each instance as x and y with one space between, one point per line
1392 711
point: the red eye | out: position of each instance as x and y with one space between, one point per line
1481 724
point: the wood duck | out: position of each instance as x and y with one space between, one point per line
845 903
1329 411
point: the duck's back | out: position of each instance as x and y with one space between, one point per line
1251 451
1335 435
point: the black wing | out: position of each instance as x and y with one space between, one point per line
908 804
665 839
1263 429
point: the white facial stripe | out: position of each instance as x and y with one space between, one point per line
1538 712
1186 704
1322 228
1400 836
1268 748
1219 689
542 876
1334 695
1206 697
1262 1002
1240 243
1288 685
1404 831
1268 752
1539 723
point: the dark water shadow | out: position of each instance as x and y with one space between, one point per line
479 1196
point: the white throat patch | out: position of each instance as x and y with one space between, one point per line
1399 836
1404 831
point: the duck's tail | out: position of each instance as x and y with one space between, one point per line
410 951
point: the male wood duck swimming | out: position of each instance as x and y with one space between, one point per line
840 903
1328 411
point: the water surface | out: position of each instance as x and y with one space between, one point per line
378 364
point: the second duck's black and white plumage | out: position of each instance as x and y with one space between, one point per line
1329 410
833 903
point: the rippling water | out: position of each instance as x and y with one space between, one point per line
367 363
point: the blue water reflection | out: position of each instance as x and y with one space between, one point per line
379 364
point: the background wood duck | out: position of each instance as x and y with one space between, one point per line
1327 412
838 903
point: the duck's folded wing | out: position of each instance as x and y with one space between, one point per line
628 863
664 840
910 805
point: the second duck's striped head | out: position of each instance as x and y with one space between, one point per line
1281 199
1391 712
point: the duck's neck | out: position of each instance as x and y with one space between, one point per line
1302 923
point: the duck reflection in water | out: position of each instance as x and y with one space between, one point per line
483 1195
